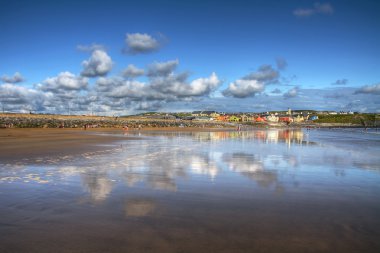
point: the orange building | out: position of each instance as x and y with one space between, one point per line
259 119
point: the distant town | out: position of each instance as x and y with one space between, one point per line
289 116
301 118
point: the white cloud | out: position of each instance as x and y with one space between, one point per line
291 93
244 88
255 82
171 88
132 71
203 86
90 48
16 78
311 99
99 64
129 89
265 74
104 84
64 81
318 8
158 69
17 98
369 89
127 96
12 93
140 43
149 105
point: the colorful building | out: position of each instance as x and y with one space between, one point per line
260 119
234 118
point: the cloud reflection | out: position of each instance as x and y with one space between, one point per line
99 185
165 161
139 207
251 167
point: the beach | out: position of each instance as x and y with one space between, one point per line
189 190
24 143
19 143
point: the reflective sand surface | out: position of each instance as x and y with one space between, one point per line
252 191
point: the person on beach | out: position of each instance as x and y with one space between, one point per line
125 128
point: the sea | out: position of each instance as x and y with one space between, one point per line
260 190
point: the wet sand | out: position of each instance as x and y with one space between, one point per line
26 143
185 191
18 143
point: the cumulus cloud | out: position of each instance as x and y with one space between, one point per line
158 69
340 82
64 81
99 64
11 93
163 86
149 105
16 78
252 83
129 89
318 8
132 71
314 99
369 89
291 93
265 74
131 96
141 43
203 86
176 87
104 84
18 98
170 88
243 88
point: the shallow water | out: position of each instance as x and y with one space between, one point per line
270 190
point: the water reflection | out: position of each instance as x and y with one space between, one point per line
98 184
203 165
139 207
199 192
161 161
289 136
251 167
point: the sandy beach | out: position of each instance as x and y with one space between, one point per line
18 143
21 143
189 190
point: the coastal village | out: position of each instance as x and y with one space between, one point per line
287 117
274 117
194 119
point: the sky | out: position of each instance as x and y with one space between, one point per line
126 57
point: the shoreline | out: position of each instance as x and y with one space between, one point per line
29 121
17 144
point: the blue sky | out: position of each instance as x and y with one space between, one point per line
192 55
